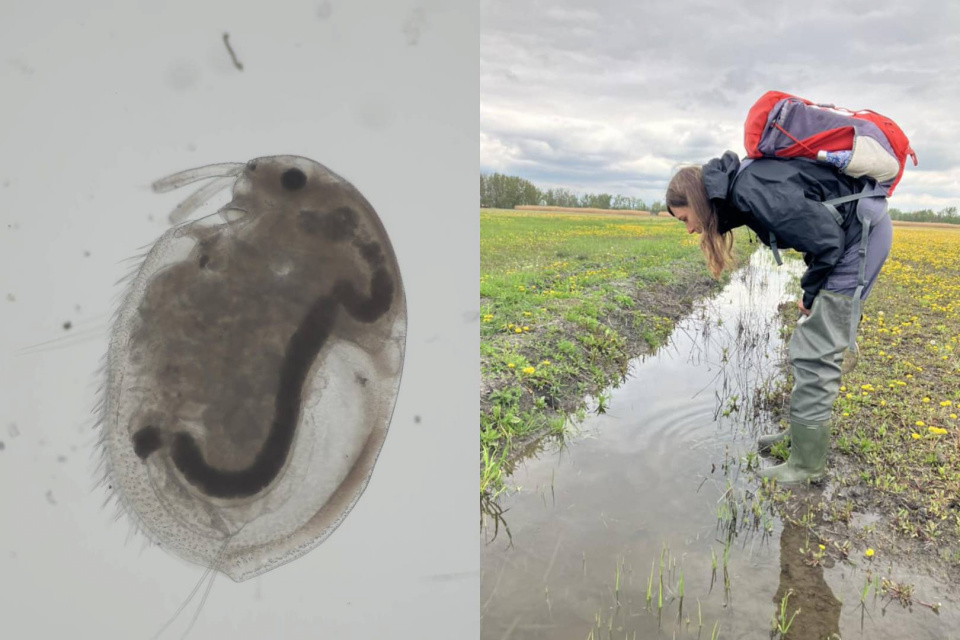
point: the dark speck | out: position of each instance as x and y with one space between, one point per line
86 254
293 179
67 325
361 380
416 419
50 498
2 446
146 441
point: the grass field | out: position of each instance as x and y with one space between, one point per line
896 433
566 301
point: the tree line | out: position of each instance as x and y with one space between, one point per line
498 191
947 214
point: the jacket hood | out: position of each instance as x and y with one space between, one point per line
718 177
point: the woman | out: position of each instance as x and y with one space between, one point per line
783 202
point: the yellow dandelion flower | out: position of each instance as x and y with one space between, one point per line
925 400
510 365
545 362
920 423
518 330
868 553
844 388
528 370
937 431
846 415
945 403
915 436
821 547
883 403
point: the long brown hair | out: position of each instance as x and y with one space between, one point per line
686 190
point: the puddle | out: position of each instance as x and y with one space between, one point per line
571 554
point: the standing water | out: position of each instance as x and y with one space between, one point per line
648 526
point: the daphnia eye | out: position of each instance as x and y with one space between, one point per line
293 179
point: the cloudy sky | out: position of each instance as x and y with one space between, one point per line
611 95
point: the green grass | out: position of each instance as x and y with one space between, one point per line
566 301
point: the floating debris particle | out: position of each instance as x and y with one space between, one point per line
233 56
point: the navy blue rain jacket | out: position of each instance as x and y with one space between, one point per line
783 195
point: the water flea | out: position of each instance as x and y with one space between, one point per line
246 401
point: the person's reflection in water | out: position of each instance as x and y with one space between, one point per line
819 615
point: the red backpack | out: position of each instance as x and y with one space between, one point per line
859 143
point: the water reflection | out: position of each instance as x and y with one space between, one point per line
817 609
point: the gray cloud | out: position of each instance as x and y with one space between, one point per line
613 94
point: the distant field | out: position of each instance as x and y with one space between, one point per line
634 212
565 301
935 225
616 212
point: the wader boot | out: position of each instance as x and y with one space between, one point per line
816 348
847 361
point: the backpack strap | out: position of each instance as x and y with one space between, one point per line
773 248
831 205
